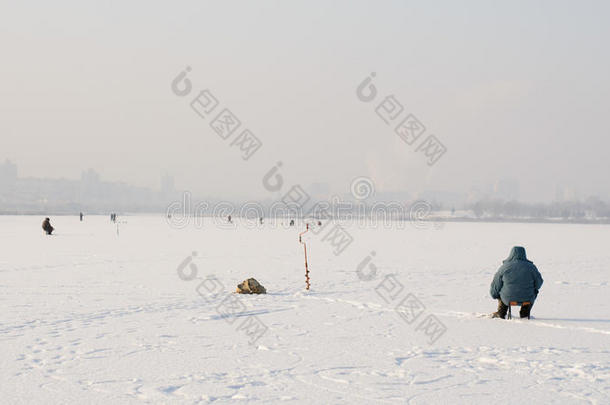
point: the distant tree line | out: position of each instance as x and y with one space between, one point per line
592 208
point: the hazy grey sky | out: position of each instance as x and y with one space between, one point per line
517 90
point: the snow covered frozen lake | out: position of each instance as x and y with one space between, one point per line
90 315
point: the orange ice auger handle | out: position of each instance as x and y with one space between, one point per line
305 250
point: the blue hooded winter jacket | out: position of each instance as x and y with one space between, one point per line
517 279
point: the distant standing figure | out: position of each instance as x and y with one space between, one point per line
229 219
81 217
261 220
46 226
518 280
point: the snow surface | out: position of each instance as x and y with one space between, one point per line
92 316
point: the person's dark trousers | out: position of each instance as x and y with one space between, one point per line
502 310
525 310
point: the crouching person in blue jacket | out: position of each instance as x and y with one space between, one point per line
516 280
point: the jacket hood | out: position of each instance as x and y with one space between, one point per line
516 253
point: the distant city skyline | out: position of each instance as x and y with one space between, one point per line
91 185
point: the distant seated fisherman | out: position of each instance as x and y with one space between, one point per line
516 280
46 226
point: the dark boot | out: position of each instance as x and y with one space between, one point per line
502 310
524 312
